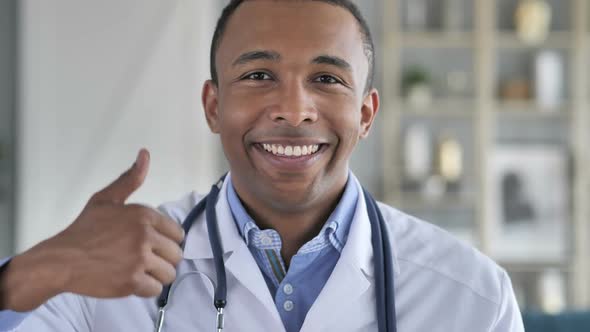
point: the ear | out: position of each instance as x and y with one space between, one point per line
369 110
209 98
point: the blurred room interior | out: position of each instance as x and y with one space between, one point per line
483 129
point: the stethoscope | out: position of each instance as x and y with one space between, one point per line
382 255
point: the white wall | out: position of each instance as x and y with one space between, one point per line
99 80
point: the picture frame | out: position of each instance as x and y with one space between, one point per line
529 203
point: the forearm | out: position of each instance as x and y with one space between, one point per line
32 278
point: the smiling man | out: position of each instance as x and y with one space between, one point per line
290 96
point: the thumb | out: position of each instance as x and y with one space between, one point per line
120 189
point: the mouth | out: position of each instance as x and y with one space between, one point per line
291 157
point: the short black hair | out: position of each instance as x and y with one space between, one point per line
368 45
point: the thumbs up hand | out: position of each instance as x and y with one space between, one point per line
111 250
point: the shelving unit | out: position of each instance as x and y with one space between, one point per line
485 48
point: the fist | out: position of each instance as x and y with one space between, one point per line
117 249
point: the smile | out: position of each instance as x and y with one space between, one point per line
290 156
291 150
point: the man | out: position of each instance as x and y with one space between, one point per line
290 96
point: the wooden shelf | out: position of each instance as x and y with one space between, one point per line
555 40
442 107
415 201
528 108
437 39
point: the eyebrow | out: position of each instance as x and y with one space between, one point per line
275 56
333 61
256 55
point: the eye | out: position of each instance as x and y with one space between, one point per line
327 79
257 76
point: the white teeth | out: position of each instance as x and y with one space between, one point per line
290 150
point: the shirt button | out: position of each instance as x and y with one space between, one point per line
266 240
288 305
288 289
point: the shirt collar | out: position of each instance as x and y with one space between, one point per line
358 251
339 220
344 212
241 217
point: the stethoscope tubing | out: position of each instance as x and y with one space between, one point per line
384 274
216 246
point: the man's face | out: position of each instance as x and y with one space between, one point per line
290 104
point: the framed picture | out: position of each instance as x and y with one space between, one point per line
529 203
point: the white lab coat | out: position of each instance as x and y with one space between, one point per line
441 286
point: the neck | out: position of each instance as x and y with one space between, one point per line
296 225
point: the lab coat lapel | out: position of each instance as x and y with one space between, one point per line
243 267
347 293
239 262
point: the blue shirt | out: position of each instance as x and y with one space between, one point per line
295 289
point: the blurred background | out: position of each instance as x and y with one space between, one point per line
483 130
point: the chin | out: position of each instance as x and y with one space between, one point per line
291 194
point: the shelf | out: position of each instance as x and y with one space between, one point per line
528 108
442 107
555 40
417 202
437 39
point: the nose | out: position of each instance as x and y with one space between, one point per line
295 106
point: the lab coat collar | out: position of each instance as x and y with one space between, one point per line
353 276
358 250
197 240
